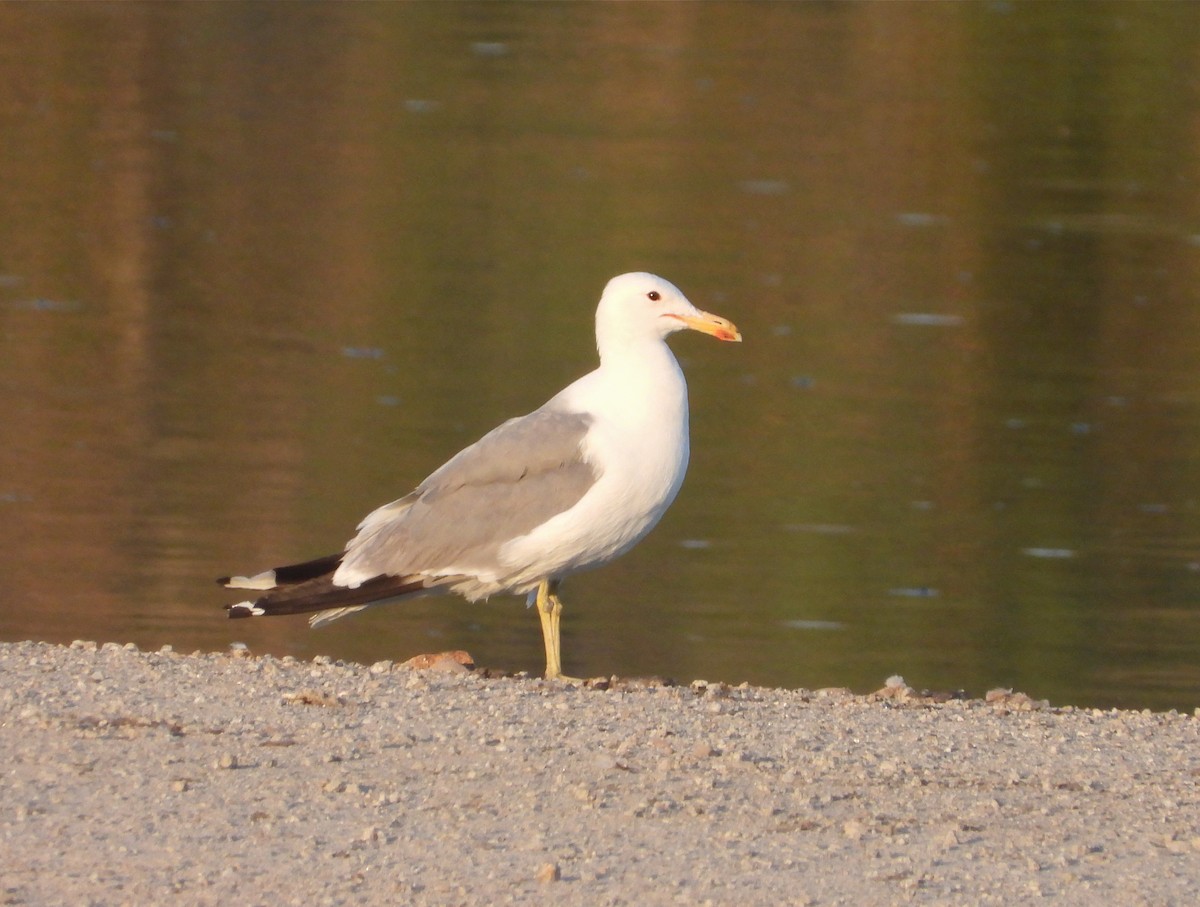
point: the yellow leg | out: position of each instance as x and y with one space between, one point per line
549 610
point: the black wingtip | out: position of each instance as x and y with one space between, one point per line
237 612
224 580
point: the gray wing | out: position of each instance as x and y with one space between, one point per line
507 483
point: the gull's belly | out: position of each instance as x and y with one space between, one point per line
638 483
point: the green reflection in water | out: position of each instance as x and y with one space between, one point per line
265 267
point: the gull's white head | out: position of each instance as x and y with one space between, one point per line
637 307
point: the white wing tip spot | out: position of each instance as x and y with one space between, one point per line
261 581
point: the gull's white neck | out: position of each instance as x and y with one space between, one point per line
639 381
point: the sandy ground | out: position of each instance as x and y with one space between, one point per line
131 778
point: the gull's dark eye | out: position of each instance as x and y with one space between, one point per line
653 296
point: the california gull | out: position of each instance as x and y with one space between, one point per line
568 487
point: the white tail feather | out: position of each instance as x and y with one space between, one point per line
323 617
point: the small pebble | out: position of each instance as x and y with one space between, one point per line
604 762
549 872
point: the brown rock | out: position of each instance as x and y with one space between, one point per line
549 872
457 661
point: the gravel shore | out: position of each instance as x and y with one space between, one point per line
134 777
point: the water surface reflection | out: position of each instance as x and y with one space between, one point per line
264 267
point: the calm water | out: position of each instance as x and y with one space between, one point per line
263 267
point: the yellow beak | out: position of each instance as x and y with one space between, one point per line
715 325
